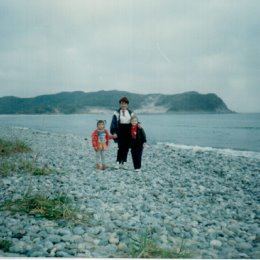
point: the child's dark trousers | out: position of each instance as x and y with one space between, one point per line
137 156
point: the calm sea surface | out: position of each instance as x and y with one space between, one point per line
232 131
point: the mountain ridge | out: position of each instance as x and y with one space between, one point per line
106 101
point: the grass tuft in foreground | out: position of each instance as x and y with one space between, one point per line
143 246
49 208
29 167
5 245
7 168
11 147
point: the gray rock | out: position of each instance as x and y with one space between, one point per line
94 230
19 247
64 231
244 246
63 254
37 251
78 231
54 238
47 245
66 238
216 243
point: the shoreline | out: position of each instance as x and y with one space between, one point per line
238 132
207 199
224 150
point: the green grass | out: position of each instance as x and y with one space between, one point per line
5 245
26 166
8 148
143 246
11 147
44 207
7 168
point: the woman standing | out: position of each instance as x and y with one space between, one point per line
121 127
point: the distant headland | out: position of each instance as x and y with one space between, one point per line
79 102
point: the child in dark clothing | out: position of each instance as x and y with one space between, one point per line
138 140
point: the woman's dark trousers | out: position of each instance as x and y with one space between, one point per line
124 141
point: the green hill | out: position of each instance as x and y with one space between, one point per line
82 102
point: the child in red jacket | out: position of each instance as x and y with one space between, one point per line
100 139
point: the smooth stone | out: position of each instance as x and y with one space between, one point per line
113 239
62 254
215 243
244 246
54 238
78 231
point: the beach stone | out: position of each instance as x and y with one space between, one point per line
48 245
227 232
85 254
38 254
64 231
194 223
256 253
81 247
195 231
6 182
67 238
126 216
78 231
95 230
26 239
110 227
42 234
234 227
50 230
105 251
215 243
62 254
122 246
59 246
177 230
243 255
37 251
54 238
113 239
191 245
19 247
111 250
251 239
244 246
77 239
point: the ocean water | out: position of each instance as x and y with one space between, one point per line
225 131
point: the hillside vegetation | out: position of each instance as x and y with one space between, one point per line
82 102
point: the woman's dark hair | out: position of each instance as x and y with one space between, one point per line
124 99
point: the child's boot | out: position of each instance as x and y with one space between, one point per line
104 167
97 167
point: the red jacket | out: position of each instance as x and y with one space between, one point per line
94 137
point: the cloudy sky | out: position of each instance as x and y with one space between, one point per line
142 46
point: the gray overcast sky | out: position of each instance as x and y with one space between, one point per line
141 46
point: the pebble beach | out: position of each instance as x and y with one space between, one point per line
203 200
